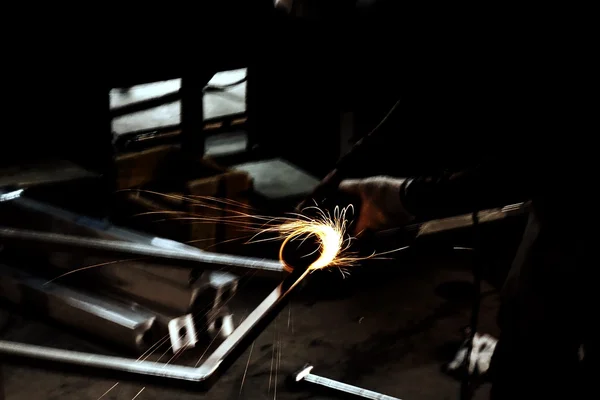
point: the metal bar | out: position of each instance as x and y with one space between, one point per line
107 318
466 220
213 364
459 221
130 280
99 247
306 376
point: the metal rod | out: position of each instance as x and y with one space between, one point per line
306 376
459 221
206 370
177 257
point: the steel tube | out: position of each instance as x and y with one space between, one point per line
55 242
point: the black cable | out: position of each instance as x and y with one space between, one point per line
466 385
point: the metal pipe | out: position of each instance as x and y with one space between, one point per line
107 318
100 247
206 370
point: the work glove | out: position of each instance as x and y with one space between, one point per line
380 204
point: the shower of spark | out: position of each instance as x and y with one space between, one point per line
330 230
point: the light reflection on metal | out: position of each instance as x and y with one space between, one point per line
10 195
266 309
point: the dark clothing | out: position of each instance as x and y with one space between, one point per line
515 82
546 299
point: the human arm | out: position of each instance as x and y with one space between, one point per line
387 201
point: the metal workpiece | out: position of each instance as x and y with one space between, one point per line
131 281
306 375
430 228
219 323
53 242
94 237
107 318
466 220
182 332
116 320
216 362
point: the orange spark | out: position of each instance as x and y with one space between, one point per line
330 232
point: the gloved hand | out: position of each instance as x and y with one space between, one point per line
380 203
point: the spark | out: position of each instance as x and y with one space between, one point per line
209 345
272 358
246 370
278 365
138 393
105 393
90 267
331 233
330 229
